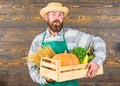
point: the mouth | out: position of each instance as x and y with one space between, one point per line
56 23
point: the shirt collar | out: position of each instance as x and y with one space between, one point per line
59 33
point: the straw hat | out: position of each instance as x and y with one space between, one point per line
53 6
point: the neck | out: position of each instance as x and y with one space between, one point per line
53 33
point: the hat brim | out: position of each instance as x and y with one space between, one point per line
45 10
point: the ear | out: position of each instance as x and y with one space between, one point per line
46 17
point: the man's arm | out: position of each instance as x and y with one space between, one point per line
100 55
33 69
35 73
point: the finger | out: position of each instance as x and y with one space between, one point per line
87 66
93 74
88 73
49 80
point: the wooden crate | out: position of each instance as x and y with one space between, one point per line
58 73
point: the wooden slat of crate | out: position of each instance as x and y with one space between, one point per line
48 73
72 75
76 74
64 73
72 67
49 65
49 70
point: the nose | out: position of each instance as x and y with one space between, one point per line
57 17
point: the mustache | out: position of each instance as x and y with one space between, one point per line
56 21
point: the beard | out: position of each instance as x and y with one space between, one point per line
55 26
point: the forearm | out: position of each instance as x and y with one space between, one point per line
33 69
35 73
99 50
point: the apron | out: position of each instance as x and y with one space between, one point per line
59 47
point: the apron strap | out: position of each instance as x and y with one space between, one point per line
64 37
43 37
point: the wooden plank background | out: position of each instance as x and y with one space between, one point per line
20 22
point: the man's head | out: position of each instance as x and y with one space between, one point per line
54 13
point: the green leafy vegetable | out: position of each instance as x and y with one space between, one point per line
79 52
90 58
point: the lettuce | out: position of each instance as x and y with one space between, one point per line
79 52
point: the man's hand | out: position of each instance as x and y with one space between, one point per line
92 69
49 80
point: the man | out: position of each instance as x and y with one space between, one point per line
67 39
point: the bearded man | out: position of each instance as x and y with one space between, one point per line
61 39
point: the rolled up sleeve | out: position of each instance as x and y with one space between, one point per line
99 50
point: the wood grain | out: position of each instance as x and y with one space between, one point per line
20 22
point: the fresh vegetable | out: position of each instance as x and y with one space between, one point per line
79 52
84 55
90 57
85 60
67 59
45 51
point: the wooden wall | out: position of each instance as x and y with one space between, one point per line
20 22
